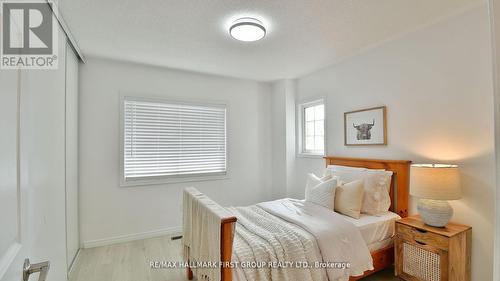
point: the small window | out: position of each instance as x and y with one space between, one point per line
312 128
164 140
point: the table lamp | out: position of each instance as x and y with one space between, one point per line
434 184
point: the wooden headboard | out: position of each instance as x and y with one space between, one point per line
400 183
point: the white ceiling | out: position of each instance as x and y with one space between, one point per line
303 35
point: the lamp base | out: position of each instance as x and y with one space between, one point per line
435 212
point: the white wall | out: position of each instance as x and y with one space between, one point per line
495 33
283 146
72 218
278 136
437 85
109 211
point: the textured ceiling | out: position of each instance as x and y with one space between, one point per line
303 35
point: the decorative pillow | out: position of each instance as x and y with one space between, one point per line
321 191
377 200
377 184
349 198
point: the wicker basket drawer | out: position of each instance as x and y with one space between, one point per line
422 236
423 262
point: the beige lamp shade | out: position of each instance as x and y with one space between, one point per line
435 181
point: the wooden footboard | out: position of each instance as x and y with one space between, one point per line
226 248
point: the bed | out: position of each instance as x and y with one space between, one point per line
376 232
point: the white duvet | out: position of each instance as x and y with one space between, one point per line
300 233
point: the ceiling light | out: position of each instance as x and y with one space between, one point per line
247 29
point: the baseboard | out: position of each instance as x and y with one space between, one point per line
132 237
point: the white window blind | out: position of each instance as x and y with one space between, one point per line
163 139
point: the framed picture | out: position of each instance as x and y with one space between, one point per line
366 127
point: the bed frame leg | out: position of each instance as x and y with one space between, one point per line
189 273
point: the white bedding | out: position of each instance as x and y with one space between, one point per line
337 241
375 229
381 244
264 238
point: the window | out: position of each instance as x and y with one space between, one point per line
312 128
164 140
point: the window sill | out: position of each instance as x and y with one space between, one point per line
143 182
310 155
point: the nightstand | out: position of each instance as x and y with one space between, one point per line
429 253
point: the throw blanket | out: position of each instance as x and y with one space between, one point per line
338 239
202 219
296 232
262 239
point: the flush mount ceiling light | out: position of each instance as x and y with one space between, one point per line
247 29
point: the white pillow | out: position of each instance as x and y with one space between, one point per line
376 200
349 198
330 169
335 168
346 175
344 168
386 178
321 191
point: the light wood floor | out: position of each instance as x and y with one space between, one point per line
131 262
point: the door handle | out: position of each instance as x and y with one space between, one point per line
42 267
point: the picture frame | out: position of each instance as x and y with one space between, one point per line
366 127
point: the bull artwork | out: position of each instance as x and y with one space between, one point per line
364 130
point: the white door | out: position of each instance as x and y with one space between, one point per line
32 170
9 211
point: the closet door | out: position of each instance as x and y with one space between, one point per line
9 197
72 231
33 197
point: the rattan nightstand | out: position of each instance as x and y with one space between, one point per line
429 253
